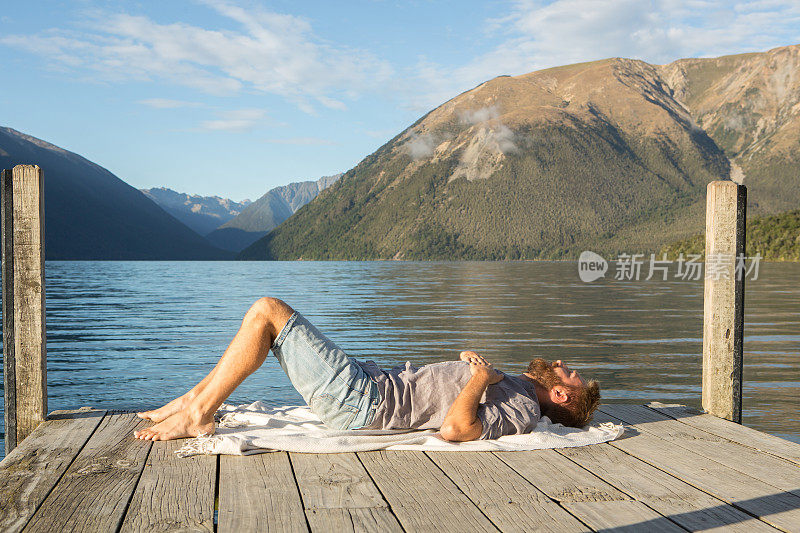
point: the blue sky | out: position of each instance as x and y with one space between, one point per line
232 98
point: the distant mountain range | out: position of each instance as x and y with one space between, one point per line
92 214
611 155
266 213
203 214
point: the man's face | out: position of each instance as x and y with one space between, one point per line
555 373
568 377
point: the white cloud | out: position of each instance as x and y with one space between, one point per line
494 130
476 116
567 31
236 120
420 146
505 139
165 103
269 53
489 134
537 34
254 50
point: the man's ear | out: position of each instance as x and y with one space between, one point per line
558 395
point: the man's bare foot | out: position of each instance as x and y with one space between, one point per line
180 425
166 411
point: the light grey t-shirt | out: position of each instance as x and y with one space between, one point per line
419 398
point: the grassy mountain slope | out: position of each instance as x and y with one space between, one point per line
266 213
594 155
750 105
775 237
92 214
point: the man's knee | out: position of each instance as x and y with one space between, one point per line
269 312
268 307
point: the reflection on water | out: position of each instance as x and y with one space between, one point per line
134 334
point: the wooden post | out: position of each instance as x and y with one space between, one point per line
723 309
24 352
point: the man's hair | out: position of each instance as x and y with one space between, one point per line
579 409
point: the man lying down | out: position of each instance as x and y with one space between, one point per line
465 400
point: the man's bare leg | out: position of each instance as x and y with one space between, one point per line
169 409
194 411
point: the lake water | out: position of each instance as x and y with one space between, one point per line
132 335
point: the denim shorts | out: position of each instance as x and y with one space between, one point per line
336 389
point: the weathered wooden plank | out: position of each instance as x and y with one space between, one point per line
334 481
750 437
620 516
684 504
173 493
505 497
27 314
30 472
259 493
723 300
774 506
433 491
777 472
421 496
96 488
9 371
333 487
559 478
373 519
592 500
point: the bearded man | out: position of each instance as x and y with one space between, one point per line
465 400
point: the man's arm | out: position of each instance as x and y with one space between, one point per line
461 422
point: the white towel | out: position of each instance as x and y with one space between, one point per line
256 428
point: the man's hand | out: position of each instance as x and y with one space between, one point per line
461 422
479 366
467 355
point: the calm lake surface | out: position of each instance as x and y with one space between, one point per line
132 335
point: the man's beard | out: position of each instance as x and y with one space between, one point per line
543 372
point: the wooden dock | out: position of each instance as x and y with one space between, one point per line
673 470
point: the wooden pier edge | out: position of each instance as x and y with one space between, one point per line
24 346
723 300
674 470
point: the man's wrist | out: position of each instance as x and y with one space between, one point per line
481 378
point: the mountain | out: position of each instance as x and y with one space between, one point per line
595 155
774 237
750 105
203 214
266 213
92 214
611 155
